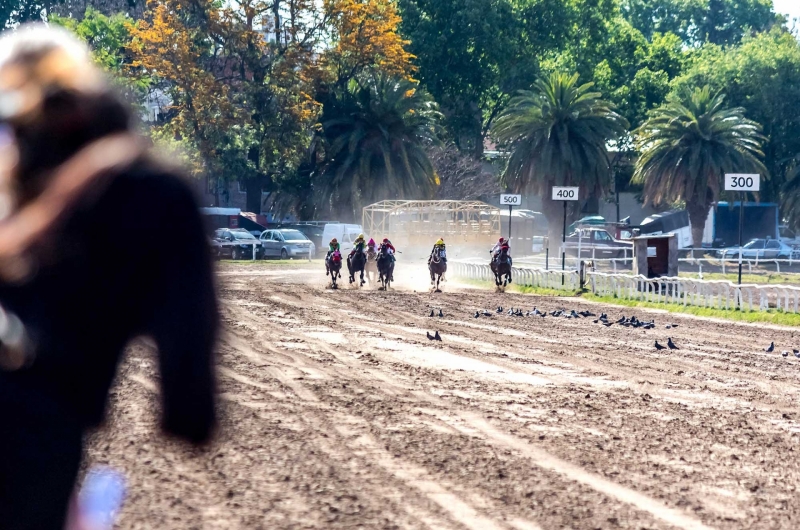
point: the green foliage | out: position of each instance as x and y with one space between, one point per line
698 22
763 77
558 134
375 132
109 38
688 144
473 54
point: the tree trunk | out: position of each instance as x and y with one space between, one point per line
698 213
253 190
554 213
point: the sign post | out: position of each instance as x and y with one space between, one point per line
510 201
565 194
742 183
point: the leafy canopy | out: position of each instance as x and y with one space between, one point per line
689 143
558 135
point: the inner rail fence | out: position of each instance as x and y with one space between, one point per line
694 261
715 294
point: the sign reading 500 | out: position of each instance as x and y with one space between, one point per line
510 200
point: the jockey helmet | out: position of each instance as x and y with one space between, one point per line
385 239
440 242
334 240
371 242
502 240
360 236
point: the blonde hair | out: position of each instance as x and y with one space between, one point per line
36 60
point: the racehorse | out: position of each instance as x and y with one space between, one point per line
356 263
333 266
501 267
437 267
371 267
385 267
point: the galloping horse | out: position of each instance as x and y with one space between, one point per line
385 267
437 267
371 267
356 263
333 266
501 267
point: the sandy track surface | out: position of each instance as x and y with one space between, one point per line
338 412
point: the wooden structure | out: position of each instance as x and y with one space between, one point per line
655 256
412 223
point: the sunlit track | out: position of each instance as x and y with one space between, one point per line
338 412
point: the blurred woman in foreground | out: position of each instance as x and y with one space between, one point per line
84 267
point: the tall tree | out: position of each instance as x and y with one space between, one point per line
374 136
699 22
762 75
473 54
688 144
240 79
558 135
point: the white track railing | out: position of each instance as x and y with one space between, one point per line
529 277
719 294
715 294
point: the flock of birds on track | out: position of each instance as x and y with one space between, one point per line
631 322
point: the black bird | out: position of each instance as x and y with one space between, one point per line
574 314
796 353
586 314
430 337
499 309
431 313
659 346
671 344
595 321
436 336
770 348
785 354
606 323
441 314
674 325
621 320
486 313
477 314
603 316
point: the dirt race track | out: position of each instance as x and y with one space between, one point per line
338 412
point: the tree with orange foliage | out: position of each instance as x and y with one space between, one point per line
366 36
240 78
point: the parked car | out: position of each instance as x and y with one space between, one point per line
312 232
287 243
761 249
235 243
598 242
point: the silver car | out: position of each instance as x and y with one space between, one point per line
760 249
286 243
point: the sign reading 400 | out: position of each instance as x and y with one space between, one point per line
561 193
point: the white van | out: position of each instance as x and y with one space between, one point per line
345 233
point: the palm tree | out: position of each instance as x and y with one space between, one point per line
790 194
375 133
558 134
687 145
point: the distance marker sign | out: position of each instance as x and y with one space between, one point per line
565 193
510 200
742 182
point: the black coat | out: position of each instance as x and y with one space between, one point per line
131 260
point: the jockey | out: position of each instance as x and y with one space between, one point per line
390 248
332 247
358 245
502 244
442 251
371 245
